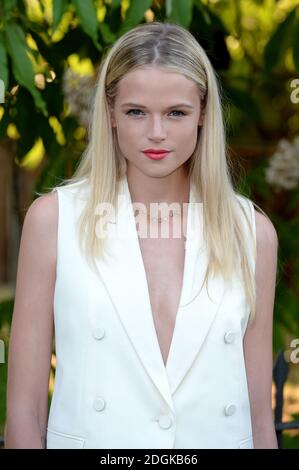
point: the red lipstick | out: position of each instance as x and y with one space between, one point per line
156 154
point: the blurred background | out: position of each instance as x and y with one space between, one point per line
49 54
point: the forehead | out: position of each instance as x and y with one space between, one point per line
154 82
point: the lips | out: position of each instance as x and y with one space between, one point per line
151 150
156 154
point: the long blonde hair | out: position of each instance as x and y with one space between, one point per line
175 49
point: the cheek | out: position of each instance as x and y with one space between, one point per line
182 131
185 133
129 137
126 128
185 141
130 128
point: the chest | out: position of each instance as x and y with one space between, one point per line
163 260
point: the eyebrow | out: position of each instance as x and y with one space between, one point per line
179 105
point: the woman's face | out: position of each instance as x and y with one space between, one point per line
165 114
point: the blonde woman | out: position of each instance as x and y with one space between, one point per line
156 276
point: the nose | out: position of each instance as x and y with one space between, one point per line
157 130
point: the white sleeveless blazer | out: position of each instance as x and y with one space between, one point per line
112 389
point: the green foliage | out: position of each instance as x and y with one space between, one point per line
3 61
134 14
6 309
290 442
88 18
3 381
296 45
59 7
180 12
22 67
282 38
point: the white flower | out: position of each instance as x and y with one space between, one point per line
283 169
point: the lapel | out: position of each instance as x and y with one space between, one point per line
123 275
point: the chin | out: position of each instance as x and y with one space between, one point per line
160 173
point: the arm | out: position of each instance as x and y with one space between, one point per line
258 337
30 345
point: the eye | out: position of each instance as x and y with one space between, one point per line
138 110
130 111
179 112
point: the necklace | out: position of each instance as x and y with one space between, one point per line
158 219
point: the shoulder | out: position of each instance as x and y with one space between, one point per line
266 255
42 214
38 245
39 232
266 235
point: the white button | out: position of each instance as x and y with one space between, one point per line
229 409
165 422
99 404
99 333
229 337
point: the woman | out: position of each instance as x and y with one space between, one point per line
161 341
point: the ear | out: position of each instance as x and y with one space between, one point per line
111 113
112 117
201 117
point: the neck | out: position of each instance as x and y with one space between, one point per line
146 189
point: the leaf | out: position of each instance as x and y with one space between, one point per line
6 309
24 106
21 64
115 4
88 18
113 17
3 62
8 7
107 35
179 12
59 7
243 100
168 8
204 11
134 14
4 122
279 41
296 46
